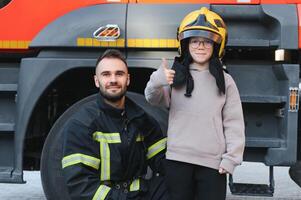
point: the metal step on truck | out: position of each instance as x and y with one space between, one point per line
48 51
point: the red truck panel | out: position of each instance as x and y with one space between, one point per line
223 1
22 20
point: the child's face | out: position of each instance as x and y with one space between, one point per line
201 49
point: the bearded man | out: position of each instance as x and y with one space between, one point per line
111 141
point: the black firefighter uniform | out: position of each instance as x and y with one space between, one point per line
106 151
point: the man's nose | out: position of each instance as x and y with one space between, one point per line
113 79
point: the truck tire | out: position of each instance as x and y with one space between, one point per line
51 172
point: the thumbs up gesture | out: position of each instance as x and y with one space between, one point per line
169 73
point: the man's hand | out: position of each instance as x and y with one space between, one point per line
169 73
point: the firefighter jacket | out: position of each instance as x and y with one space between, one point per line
106 149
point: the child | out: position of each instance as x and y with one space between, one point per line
206 127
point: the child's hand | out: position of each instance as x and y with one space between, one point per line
169 73
222 171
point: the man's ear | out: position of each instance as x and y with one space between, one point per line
128 81
96 82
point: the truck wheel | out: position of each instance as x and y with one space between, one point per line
52 153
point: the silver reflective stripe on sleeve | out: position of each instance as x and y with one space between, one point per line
101 192
76 158
156 148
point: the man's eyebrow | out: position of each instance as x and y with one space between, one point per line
120 71
105 72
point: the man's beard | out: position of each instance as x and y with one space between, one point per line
112 97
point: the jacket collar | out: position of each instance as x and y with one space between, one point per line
131 109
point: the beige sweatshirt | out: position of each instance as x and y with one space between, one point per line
206 129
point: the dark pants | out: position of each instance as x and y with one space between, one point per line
152 189
192 182
157 189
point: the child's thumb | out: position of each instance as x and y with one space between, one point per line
165 63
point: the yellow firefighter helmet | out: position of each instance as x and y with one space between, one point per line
204 23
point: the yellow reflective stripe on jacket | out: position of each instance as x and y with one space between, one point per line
156 148
139 138
107 137
105 173
135 186
76 158
101 192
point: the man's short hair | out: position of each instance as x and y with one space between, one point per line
112 53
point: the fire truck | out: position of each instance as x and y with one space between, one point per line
48 51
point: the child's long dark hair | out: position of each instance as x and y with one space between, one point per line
215 68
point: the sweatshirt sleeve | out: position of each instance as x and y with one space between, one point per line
157 91
234 129
81 165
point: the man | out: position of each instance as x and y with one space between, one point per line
109 143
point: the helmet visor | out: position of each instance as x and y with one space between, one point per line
201 33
